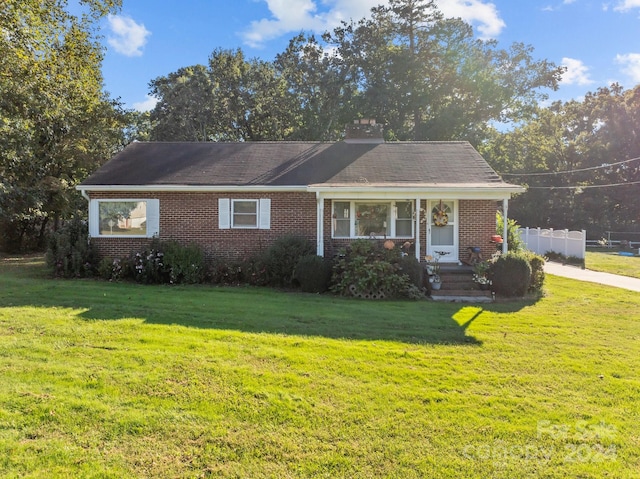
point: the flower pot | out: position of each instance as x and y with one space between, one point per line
436 285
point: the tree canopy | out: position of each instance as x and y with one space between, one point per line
56 123
580 161
421 75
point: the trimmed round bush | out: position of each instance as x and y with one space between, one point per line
313 274
537 270
511 275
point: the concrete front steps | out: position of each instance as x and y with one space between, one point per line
458 285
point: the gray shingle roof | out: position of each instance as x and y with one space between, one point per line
296 164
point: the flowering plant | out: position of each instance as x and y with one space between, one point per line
433 265
481 272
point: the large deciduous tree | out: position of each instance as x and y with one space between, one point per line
323 88
231 99
56 124
427 78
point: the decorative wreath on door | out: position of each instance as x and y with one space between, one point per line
440 216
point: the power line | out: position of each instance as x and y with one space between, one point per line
580 187
548 173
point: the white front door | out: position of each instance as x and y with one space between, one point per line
442 232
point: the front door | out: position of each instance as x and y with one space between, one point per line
442 232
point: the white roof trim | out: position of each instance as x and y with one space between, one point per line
190 188
444 192
344 191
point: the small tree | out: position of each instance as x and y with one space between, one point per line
69 253
514 241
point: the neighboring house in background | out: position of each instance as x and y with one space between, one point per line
235 199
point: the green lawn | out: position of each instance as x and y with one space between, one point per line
119 380
612 262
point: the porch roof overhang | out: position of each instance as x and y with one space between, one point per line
411 190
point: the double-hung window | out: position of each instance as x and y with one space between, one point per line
369 218
244 213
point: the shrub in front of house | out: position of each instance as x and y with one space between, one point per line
69 253
114 269
511 275
281 258
366 270
225 272
313 274
536 262
184 264
254 271
410 266
166 262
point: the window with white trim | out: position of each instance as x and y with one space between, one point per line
244 213
364 219
132 218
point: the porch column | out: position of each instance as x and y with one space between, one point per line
417 243
505 228
319 224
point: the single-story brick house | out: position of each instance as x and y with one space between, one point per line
234 199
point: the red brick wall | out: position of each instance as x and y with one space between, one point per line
477 220
193 218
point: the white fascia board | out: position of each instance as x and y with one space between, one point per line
191 189
411 193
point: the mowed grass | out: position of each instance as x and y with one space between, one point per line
120 380
612 262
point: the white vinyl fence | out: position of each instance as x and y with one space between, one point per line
569 243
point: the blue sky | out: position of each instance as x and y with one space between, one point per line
598 40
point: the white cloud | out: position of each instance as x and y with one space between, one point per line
577 72
147 105
626 5
128 36
484 16
631 65
296 15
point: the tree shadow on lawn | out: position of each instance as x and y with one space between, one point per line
261 310
254 310
251 309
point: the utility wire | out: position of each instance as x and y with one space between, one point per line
548 173
580 187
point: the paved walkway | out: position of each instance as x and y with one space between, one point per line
575 272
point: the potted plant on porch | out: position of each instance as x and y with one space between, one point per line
433 270
481 275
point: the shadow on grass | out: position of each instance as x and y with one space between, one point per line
249 310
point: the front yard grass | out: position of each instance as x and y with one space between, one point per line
119 380
612 262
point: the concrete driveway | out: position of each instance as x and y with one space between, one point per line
575 272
